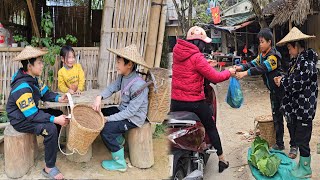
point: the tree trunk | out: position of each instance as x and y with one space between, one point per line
257 10
140 146
20 150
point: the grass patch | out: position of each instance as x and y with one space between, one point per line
160 130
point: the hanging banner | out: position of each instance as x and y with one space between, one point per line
216 15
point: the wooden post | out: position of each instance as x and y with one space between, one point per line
153 31
33 17
161 33
290 24
105 42
274 36
20 150
140 146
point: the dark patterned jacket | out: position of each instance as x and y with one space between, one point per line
301 87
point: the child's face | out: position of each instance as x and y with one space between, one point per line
264 44
124 69
293 51
36 68
69 60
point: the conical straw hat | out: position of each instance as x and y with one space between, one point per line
29 52
131 53
294 35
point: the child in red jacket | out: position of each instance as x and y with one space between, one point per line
189 70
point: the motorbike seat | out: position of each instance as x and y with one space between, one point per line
182 117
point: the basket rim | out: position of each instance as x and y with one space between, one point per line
84 128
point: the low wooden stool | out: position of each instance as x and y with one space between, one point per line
20 151
140 146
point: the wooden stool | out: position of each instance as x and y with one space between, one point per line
20 151
140 146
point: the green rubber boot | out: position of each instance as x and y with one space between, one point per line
120 139
118 163
304 169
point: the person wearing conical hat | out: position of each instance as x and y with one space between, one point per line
301 92
23 111
132 111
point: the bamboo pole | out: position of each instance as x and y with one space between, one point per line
33 18
153 31
161 33
105 41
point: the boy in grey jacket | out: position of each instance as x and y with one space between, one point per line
132 111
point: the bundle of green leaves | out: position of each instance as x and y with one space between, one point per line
262 159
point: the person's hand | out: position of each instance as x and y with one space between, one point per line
212 63
238 68
78 92
97 104
63 99
61 120
241 75
71 91
232 72
277 80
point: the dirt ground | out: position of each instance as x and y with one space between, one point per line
93 169
231 121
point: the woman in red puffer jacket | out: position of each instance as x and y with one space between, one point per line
188 72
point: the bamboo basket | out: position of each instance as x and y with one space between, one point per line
85 125
159 94
266 126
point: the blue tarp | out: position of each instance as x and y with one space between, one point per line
283 173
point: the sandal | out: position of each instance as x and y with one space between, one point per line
53 172
293 152
223 166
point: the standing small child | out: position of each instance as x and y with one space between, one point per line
71 76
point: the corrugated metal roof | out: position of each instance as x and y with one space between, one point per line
238 18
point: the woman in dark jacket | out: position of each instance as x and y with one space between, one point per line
301 91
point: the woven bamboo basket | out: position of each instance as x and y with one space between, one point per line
159 94
266 127
85 125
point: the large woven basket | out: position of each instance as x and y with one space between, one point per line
266 126
85 125
159 94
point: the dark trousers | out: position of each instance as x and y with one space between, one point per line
113 130
50 133
204 111
300 134
277 116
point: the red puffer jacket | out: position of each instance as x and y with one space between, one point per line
188 72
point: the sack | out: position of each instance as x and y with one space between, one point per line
234 96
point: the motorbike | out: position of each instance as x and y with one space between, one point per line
190 147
